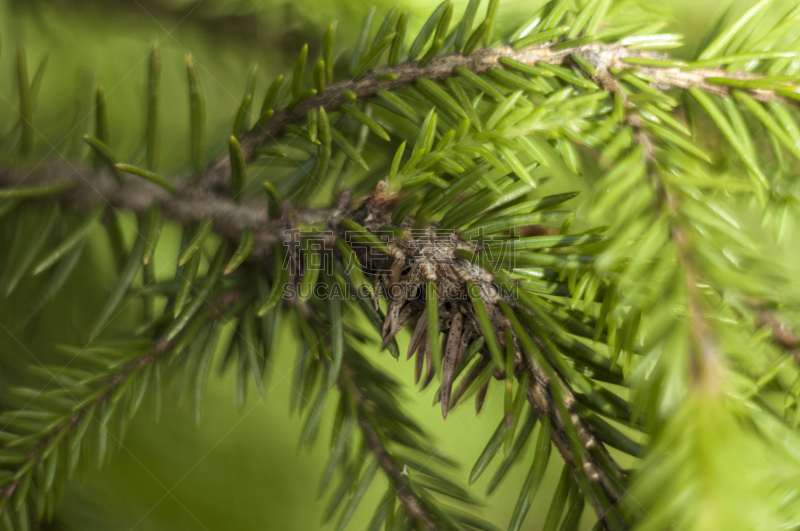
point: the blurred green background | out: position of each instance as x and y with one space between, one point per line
237 470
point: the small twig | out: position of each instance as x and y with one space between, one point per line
415 507
160 347
543 403
783 335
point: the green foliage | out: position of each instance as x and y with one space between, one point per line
620 323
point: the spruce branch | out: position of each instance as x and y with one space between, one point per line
706 364
231 218
160 347
98 403
705 359
660 71
430 237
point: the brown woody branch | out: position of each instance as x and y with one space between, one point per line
89 187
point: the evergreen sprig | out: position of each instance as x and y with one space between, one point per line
616 322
